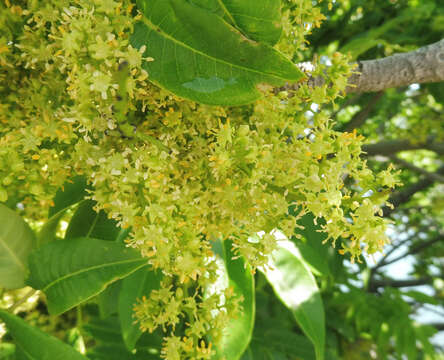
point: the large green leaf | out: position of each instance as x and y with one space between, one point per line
280 341
420 297
266 349
237 335
134 287
294 284
258 351
7 351
86 222
311 246
108 337
259 20
16 242
108 300
35 344
71 193
199 56
72 271
104 330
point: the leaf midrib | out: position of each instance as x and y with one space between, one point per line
155 28
92 268
225 10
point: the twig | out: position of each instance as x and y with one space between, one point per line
360 117
412 251
19 302
399 283
403 196
350 101
410 166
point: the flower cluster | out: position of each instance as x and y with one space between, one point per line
204 174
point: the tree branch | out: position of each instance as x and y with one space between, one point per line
360 117
19 302
433 310
423 65
390 147
413 250
410 166
375 284
383 261
437 326
403 196
350 101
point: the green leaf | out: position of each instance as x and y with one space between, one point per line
312 258
110 346
107 332
283 342
296 287
35 344
7 351
185 42
104 330
134 287
70 272
118 352
311 248
421 297
48 231
71 193
366 40
258 351
437 90
16 242
75 339
260 20
86 222
238 334
108 300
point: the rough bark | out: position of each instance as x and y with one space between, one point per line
424 65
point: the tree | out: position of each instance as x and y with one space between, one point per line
157 171
398 124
